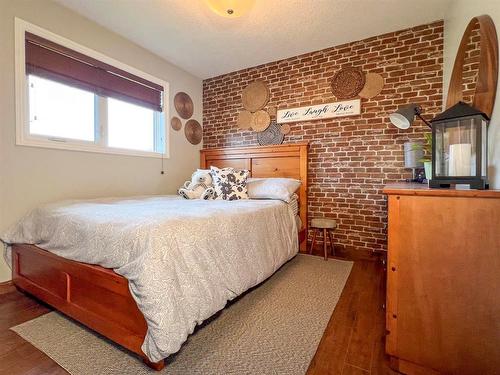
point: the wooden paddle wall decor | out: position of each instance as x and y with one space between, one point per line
486 84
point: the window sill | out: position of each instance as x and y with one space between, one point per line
56 145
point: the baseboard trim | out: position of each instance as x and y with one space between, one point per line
7 287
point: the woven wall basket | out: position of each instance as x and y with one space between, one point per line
183 105
347 83
245 119
260 120
176 123
255 96
285 129
374 83
193 131
271 136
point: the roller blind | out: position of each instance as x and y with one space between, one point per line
50 60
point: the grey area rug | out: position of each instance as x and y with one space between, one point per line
273 329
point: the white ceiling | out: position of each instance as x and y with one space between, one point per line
188 34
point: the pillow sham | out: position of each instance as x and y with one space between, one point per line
272 188
229 183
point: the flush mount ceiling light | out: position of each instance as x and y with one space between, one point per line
230 8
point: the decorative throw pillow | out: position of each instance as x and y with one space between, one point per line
229 183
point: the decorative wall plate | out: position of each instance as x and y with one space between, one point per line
176 123
260 120
193 131
347 83
183 105
255 96
244 121
374 83
271 136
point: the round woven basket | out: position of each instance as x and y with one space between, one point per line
347 83
374 83
255 96
285 129
183 105
271 136
244 121
176 123
260 120
193 132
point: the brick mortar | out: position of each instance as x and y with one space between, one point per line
352 158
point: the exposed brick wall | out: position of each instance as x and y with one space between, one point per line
352 158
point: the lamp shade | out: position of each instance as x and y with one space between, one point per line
404 116
413 155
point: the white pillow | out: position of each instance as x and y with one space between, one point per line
272 188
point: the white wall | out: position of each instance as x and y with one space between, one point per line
31 176
459 14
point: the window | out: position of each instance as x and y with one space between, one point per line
60 111
130 126
73 98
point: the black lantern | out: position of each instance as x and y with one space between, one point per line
459 147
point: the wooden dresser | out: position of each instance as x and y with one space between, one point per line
443 280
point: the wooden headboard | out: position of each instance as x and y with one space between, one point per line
288 160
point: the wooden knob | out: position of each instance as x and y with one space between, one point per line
393 268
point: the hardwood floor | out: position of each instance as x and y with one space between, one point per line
352 343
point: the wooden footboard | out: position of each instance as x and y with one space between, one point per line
96 297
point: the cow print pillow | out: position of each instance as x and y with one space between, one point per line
229 183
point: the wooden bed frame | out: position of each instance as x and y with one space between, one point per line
100 298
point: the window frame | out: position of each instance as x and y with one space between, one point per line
23 136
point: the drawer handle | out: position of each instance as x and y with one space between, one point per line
393 268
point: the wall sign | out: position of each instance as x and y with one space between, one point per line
322 111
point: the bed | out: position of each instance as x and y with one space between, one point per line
101 298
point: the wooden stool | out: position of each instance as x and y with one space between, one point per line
327 225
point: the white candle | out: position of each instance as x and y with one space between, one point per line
460 159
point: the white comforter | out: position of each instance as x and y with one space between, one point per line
184 259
